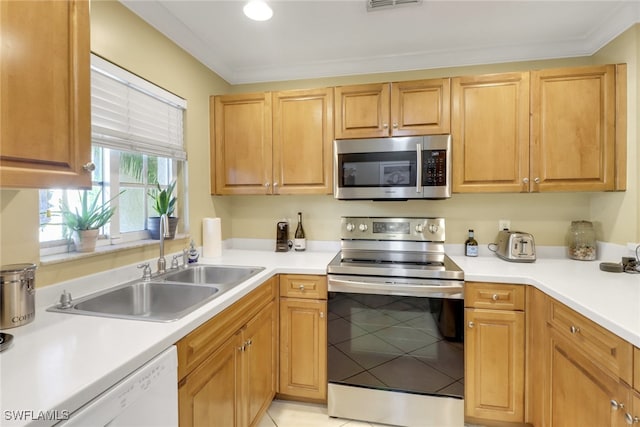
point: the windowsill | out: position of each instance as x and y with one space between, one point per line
103 250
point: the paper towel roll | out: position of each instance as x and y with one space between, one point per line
211 238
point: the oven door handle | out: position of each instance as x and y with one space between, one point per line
454 291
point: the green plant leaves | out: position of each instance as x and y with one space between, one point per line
90 216
164 202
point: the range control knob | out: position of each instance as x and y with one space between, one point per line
419 228
433 228
363 227
350 226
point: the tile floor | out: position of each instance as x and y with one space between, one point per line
297 414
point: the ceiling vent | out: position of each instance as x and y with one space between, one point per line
386 4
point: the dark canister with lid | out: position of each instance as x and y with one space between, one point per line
17 295
582 241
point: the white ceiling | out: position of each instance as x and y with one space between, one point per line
320 38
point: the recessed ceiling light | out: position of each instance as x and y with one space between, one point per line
258 10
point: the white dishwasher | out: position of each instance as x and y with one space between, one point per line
146 397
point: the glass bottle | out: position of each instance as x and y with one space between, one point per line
471 245
582 241
299 240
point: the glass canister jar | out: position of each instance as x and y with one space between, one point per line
582 241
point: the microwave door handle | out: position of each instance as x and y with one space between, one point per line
419 168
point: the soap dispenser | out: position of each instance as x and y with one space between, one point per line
193 253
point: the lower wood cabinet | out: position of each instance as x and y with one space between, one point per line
580 374
495 352
303 337
580 393
227 367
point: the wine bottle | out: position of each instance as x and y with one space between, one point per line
299 241
471 245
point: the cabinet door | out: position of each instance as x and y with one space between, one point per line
490 133
420 107
580 393
362 111
303 348
45 128
494 365
207 397
242 144
259 364
302 141
573 129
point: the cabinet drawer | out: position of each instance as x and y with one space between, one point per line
605 348
636 369
496 296
203 341
303 286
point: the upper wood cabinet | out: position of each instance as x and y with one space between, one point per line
549 130
420 107
242 144
302 141
45 125
573 129
276 143
490 132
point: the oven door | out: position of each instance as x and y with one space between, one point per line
395 342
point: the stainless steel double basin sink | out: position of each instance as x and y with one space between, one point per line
165 298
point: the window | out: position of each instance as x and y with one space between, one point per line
137 141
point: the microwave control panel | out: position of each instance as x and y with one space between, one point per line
434 168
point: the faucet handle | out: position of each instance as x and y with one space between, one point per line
146 271
174 262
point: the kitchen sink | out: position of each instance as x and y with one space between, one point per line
153 301
213 274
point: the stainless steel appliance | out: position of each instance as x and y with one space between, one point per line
515 246
411 167
17 295
395 324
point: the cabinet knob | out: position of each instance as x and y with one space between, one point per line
525 180
495 297
301 287
615 405
322 314
537 180
89 167
266 184
248 343
575 330
385 125
241 348
275 184
630 419
395 126
471 324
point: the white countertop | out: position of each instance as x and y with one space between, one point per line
60 361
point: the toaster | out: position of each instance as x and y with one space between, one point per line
515 246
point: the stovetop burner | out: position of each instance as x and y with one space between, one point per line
5 341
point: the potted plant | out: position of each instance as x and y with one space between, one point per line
83 224
163 203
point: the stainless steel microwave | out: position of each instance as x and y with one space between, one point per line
401 168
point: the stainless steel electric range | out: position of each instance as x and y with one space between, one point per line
395 324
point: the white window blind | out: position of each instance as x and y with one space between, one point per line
129 113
